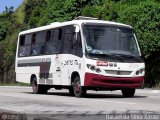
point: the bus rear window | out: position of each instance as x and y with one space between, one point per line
22 40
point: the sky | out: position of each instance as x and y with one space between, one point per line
9 3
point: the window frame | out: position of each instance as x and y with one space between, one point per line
60 38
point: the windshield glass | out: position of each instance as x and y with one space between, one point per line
103 39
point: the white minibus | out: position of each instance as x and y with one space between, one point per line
80 55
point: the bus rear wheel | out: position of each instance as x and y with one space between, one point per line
37 89
128 92
78 90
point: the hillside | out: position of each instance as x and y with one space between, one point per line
143 15
20 12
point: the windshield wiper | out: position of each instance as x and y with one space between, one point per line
129 57
113 56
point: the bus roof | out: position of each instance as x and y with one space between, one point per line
78 22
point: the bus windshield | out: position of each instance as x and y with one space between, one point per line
111 40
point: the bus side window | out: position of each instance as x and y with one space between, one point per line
77 44
60 34
56 41
67 39
22 40
22 51
34 46
24 46
48 44
33 38
40 42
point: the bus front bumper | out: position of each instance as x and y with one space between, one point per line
94 80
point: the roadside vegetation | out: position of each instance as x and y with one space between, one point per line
14 84
143 15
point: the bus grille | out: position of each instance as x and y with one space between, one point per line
116 81
115 72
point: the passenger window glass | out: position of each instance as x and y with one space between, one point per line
68 33
24 51
28 39
34 39
41 37
51 42
60 34
24 47
22 40
48 46
77 44
56 41
34 46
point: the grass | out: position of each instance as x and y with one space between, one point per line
157 87
14 84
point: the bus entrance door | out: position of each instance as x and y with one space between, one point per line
57 71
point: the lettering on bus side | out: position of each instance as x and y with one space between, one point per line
70 62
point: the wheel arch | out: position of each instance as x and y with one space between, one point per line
73 75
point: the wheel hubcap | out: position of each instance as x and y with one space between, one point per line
77 87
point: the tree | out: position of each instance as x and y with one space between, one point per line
33 10
145 17
5 22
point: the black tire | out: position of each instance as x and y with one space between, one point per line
128 92
71 91
78 90
38 89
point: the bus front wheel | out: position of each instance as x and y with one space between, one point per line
78 90
128 92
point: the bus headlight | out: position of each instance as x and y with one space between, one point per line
140 72
137 72
93 68
98 70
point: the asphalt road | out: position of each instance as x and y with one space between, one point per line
59 105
